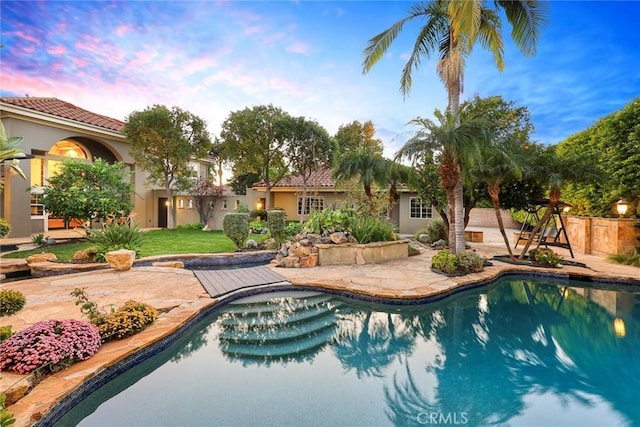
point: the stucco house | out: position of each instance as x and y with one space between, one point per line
410 213
55 130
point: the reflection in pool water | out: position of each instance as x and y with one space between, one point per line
522 351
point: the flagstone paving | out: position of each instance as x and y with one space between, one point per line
179 296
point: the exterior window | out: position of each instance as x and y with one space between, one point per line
419 209
224 205
180 203
311 204
237 204
37 208
190 203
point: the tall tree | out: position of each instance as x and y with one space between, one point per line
163 141
395 175
350 136
253 139
310 148
205 194
82 191
452 28
364 164
453 143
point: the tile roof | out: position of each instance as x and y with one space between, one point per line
318 178
59 108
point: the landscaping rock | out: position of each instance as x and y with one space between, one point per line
171 264
121 260
439 243
309 261
47 256
338 238
82 256
424 239
251 244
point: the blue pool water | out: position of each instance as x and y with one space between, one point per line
522 351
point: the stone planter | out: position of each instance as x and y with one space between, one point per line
354 253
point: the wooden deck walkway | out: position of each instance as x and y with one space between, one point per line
221 282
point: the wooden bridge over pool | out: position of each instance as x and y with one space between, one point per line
223 281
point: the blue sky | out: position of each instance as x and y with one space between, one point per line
212 58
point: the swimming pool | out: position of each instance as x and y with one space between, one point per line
521 351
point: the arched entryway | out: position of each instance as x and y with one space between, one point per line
47 164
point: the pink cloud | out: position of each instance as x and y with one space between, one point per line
123 29
299 48
27 37
251 30
57 50
79 62
89 43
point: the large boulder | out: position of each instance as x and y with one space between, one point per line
121 260
338 238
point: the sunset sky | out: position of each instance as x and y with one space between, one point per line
212 58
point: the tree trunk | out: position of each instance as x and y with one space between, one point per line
554 197
171 218
392 199
459 218
367 192
494 192
451 203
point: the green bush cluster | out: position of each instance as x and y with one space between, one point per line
257 213
631 257
463 263
194 226
329 221
367 229
292 228
257 225
277 221
545 256
435 231
129 319
11 302
236 227
113 237
5 227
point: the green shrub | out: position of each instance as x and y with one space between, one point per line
463 263
6 417
470 262
5 332
5 227
88 307
329 221
292 228
257 225
242 208
194 226
367 229
11 302
445 261
129 319
39 239
545 256
277 221
436 231
236 227
631 257
521 215
114 237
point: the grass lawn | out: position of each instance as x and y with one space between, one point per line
157 242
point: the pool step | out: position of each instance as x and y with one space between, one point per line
284 332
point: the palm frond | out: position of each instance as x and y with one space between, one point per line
526 17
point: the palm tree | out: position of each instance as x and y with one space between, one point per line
559 170
10 150
498 163
455 143
395 174
365 164
452 27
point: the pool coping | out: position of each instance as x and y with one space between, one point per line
87 375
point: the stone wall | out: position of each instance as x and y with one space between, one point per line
602 236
